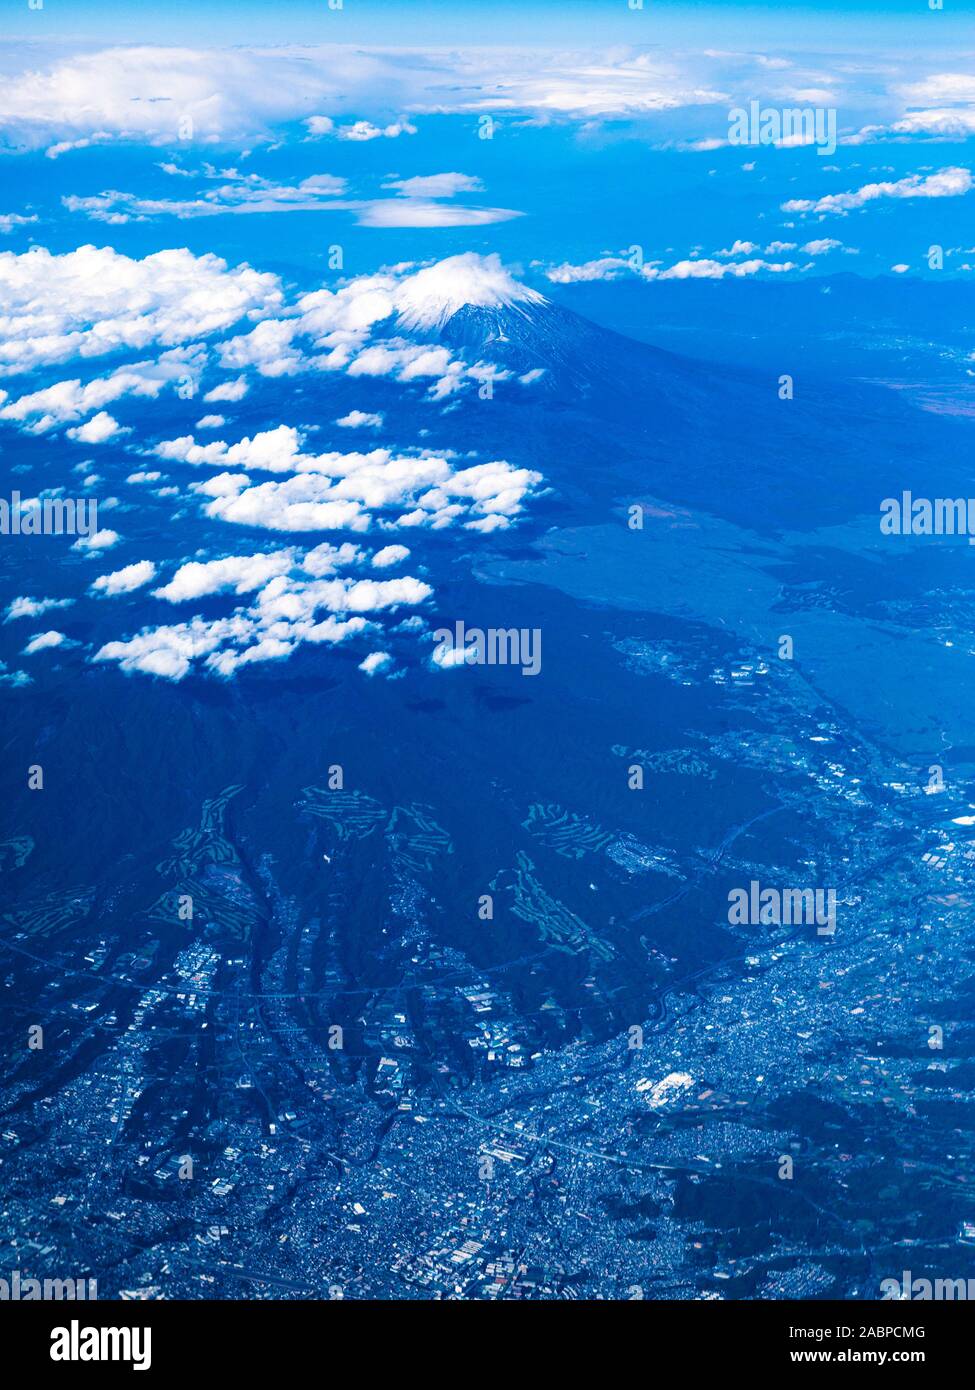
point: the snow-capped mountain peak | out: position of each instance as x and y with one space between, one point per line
428 299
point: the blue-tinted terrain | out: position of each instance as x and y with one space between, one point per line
336 965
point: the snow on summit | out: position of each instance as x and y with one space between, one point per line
433 295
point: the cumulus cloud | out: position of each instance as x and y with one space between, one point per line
327 559
359 419
93 301
10 220
285 614
358 328
362 326
344 491
100 540
125 581
705 269
275 451
822 246
702 268
603 268
26 607
389 555
938 106
740 248
365 130
946 183
66 401
234 390
45 640
319 126
98 430
241 573
376 662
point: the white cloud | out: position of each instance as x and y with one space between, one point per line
413 212
419 202
940 105
436 185
10 220
239 193
740 248
45 640
274 451
326 559
284 615
946 183
605 268
240 95
65 146
211 422
343 491
705 269
365 130
101 540
93 301
70 400
124 581
241 573
213 95
268 347
702 268
358 419
98 430
445 658
25 607
375 662
389 555
234 390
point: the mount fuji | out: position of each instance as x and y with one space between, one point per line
607 414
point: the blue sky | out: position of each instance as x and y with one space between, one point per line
819 26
